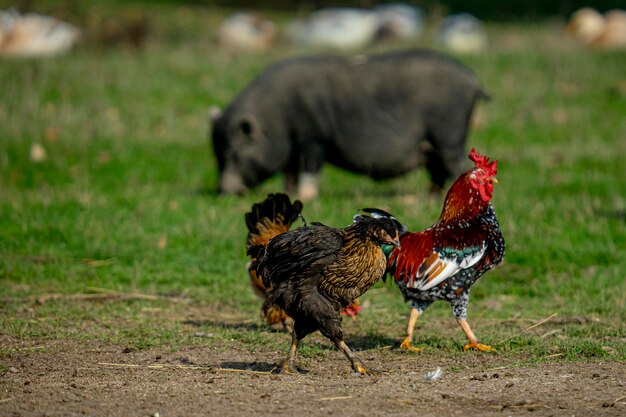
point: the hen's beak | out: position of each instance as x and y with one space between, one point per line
396 242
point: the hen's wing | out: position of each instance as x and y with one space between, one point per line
300 254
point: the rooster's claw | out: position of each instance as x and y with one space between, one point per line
479 346
406 345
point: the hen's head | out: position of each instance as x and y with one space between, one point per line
483 175
381 230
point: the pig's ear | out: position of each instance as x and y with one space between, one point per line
245 125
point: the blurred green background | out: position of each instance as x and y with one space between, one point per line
123 200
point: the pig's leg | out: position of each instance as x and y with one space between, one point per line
455 160
435 168
446 160
302 184
307 186
291 182
309 165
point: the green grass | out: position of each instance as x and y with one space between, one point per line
129 167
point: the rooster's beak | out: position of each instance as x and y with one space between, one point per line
494 180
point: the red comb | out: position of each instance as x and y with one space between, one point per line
490 168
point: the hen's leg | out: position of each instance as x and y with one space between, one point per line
357 363
288 366
406 343
473 341
332 330
300 331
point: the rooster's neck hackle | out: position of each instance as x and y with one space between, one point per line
471 193
463 201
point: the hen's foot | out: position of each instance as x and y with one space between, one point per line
289 368
406 345
479 346
362 369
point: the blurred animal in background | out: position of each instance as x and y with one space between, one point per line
246 32
353 28
380 115
445 260
132 29
339 28
266 220
598 30
398 21
315 271
35 35
462 33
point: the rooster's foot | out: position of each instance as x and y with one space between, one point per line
479 346
406 345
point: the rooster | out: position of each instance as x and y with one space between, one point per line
267 219
443 261
315 271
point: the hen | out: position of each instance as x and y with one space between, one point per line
314 271
267 219
443 261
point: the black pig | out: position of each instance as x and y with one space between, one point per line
381 115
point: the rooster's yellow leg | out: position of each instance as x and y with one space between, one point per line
288 366
406 343
357 363
473 342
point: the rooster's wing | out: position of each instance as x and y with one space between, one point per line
437 254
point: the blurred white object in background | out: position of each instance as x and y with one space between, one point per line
38 153
247 32
398 21
462 33
34 34
340 28
599 30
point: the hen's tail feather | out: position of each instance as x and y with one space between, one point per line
271 217
254 252
378 213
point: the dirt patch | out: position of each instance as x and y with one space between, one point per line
66 378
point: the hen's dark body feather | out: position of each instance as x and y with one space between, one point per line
336 264
266 220
315 271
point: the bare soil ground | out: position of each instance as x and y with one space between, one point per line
70 377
